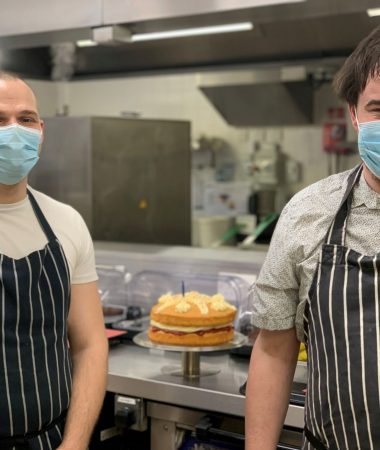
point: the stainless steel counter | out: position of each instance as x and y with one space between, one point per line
138 372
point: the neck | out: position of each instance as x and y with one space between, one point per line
14 193
372 181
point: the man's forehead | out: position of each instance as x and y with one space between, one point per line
371 92
18 91
373 85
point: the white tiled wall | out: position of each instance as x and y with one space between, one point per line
177 97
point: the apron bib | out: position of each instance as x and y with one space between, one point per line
342 334
35 364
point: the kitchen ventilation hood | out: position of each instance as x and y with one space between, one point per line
284 30
264 97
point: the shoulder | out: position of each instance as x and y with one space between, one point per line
53 208
72 232
306 218
320 198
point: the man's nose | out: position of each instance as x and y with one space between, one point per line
11 121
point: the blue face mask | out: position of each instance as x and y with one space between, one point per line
369 144
18 152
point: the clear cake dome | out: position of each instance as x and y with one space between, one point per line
147 286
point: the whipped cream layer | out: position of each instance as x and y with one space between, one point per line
165 327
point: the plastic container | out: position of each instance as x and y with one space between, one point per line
113 293
147 286
112 283
210 230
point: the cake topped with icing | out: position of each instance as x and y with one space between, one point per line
192 318
183 303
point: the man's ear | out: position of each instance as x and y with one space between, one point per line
353 111
42 131
42 136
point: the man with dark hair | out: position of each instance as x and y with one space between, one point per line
320 284
53 349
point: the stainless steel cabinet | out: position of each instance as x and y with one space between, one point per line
129 178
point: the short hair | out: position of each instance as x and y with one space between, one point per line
11 76
5 75
363 64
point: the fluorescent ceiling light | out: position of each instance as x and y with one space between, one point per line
86 43
227 28
372 12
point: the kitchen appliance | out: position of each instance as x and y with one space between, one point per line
270 183
119 174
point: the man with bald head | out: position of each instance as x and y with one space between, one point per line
53 350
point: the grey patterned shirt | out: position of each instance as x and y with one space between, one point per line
279 295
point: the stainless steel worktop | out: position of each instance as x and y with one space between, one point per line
138 372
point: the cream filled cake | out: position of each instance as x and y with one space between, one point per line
192 319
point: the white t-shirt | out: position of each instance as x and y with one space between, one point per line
21 234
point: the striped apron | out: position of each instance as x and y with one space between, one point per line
35 364
342 333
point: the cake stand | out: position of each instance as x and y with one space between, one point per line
191 367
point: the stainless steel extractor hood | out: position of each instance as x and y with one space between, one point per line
270 96
283 31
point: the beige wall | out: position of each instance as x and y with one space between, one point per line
177 97
46 93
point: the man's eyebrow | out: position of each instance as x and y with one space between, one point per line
373 103
28 112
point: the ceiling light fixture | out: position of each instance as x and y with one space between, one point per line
86 43
184 32
372 12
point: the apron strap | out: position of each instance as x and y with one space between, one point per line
21 442
41 219
316 443
337 230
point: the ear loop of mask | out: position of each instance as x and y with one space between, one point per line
356 117
372 123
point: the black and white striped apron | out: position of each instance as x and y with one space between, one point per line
342 334
35 365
